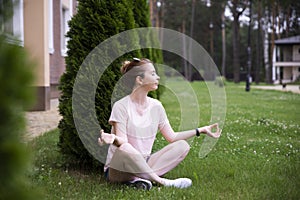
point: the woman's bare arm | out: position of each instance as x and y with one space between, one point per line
172 136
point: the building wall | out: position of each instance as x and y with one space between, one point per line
288 73
62 10
296 73
287 53
57 60
296 53
45 26
37 44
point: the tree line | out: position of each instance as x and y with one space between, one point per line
227 28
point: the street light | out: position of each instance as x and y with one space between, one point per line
249 51
208 3
158 4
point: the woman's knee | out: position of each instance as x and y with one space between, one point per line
183 145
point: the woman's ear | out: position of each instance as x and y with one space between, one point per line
139 80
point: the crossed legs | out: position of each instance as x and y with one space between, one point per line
127 163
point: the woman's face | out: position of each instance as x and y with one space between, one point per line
151 79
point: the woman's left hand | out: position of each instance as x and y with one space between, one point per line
208 130
106 138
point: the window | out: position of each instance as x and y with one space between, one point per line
64 29
66 13
5 21
51 39
13 27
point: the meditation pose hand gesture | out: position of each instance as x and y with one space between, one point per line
106 138
208 130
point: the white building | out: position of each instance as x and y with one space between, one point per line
286 60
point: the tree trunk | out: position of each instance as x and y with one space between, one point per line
258 44
189 71
266 51
185 66
269 71
223 43
236 43
287 19
162 21
211 42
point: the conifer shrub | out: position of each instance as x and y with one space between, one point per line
15 96
94 22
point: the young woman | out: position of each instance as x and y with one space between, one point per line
135 120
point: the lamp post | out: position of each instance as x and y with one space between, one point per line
158 5
223 45
249 51
211 27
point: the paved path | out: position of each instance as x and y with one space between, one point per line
39 122
288 88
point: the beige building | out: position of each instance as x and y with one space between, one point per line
286 60
40 27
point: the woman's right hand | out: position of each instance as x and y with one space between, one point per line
208 130
106 138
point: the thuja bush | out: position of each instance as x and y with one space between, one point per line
95 22
16 95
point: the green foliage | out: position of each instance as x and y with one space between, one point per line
15 95
95 22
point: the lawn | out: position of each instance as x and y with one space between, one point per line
257 156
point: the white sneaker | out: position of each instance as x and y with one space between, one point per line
140 183
178 183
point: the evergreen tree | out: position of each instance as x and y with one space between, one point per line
16 95
95 22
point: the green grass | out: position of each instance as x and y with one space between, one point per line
257 156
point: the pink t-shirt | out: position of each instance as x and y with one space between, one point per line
140 128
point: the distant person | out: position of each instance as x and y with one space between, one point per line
135 120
